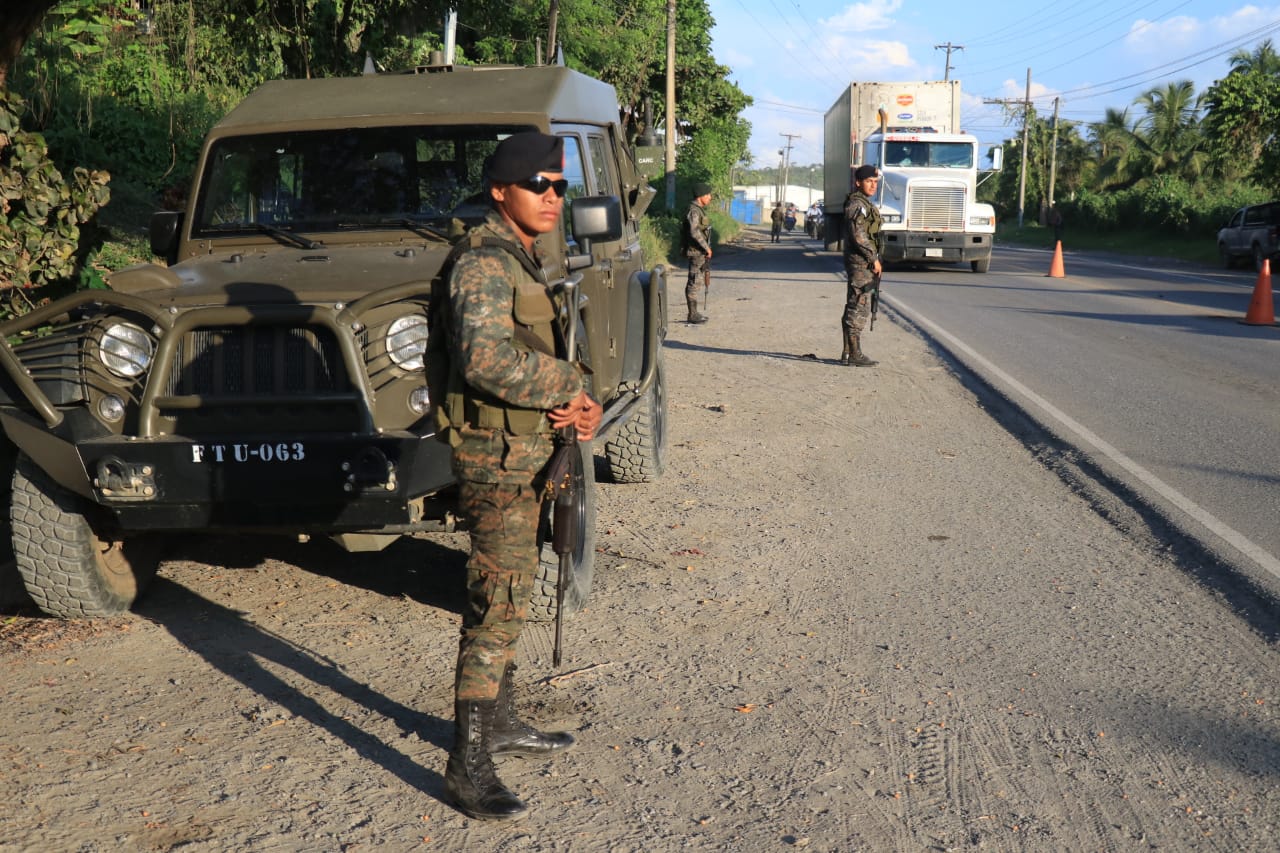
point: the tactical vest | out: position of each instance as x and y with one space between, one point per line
873 218
454 402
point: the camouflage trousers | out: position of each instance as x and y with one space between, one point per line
857 305
503 519
697 276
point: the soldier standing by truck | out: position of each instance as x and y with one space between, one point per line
861 263
509 389
696 240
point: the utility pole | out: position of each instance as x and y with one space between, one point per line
948 47
1025 103
1026 143
1053 153
671 105
786 166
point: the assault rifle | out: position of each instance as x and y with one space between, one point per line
565 483
875 300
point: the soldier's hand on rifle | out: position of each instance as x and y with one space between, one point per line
582 413
875 268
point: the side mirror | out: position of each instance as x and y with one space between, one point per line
165 225
596 217
997 158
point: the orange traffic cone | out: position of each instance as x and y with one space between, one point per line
1055 268
1261 311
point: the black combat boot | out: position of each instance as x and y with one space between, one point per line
512 736
857 358
694 316
844 353
469 779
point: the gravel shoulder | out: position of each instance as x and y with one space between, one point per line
856 614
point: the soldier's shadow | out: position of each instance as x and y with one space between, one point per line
753 353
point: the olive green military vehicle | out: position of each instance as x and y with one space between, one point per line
271 377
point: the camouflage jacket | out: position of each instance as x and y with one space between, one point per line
696 234
490 292
861 230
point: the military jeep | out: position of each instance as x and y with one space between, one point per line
270 378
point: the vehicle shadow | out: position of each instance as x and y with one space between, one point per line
242 650
236 647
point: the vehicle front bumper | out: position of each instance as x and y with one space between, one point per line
936 247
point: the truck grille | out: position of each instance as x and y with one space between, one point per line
937 208
253 361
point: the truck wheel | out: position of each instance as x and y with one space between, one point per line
542 608
981 265
71 562
637 450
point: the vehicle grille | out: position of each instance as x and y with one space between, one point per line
258 361
937 208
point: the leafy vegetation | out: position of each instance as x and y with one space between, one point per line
130 89
1173 163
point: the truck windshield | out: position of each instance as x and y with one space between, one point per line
936 155
320 180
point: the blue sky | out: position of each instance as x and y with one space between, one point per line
794 57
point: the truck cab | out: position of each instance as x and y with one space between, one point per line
927 199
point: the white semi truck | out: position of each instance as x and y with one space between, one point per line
928 189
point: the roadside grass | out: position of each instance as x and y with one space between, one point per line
1161 244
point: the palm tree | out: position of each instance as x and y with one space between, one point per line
1168 134
1113 145
1263 59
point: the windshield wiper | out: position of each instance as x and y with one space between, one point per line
417 227
288 236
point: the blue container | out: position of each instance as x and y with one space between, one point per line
748 211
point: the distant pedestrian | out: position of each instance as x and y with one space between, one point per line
776 217
1055 222
695 239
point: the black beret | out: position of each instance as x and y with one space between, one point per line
864 172
523 155
699 190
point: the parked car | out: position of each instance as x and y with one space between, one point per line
1253 232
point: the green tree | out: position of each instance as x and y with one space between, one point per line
1242 112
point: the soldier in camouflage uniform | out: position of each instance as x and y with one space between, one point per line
509 391
861 263
696 244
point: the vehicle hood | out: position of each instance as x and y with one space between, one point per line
283 275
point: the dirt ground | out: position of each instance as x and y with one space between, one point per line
857 614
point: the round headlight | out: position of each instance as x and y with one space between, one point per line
407 341
125 350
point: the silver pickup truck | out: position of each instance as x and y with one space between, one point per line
1253 232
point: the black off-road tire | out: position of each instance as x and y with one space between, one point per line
636 452
542 607
71 562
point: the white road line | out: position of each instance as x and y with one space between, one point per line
1228 534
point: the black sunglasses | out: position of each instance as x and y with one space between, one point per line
539 184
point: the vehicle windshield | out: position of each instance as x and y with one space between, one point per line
936 155
325 180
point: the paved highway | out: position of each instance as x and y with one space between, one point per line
1142 365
